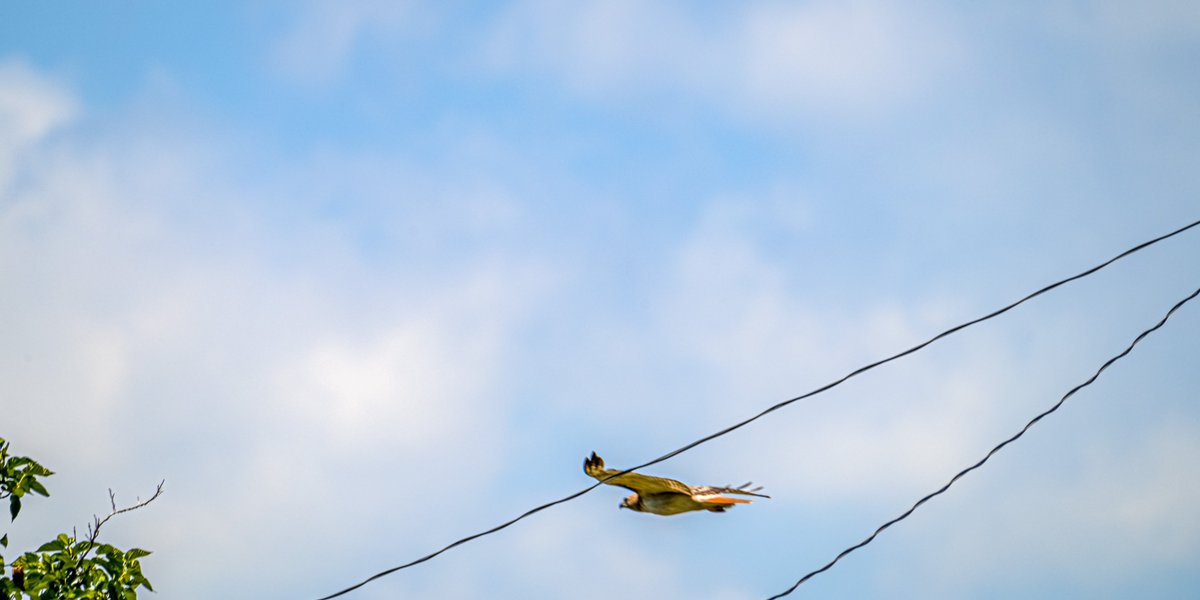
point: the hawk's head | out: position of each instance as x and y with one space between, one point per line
630 502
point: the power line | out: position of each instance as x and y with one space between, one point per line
991 452
771 409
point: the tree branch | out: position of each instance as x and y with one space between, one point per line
97 523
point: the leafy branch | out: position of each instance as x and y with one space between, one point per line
97 523
65 567
18 476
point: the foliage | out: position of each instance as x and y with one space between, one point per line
18 476
69 566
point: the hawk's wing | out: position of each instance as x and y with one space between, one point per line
642 484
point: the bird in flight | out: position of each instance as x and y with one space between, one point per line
662 496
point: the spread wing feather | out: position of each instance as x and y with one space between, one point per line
642 484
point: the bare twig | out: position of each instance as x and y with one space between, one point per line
97 523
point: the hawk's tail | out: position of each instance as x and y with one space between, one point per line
724 500
743 489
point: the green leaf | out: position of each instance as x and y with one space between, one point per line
38 469
51 546
39 488
14 506
137 553
4 540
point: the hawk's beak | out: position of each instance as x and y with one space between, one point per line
621 505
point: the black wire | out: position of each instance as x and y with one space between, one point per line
774 408
991 452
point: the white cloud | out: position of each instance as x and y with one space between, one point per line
241 335
321 41
159 311
841 57
1146 24
599 47
413 383
31 103
1099 526
743 318
764 60
883 440
601 557
761 60
31 106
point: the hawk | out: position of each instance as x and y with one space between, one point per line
662 496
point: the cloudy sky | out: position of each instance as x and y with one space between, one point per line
361 278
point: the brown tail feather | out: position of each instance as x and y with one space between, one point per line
724 500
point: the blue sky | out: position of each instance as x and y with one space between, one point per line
361 278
